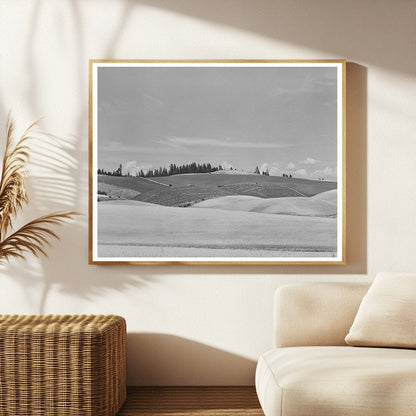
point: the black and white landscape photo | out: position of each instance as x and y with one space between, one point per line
217 161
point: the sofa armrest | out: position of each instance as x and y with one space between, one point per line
315 313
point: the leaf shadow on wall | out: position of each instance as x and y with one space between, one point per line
164 359
59 181
336 27
53 186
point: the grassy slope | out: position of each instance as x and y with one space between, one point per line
192 188
306 186
321 205
140 224
113 191
182 195
137 184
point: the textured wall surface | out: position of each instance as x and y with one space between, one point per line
199 324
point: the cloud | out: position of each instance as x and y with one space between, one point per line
227 142
326 173
301 172
274 169
264 167
226 166
133 168
309 161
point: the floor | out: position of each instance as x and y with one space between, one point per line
195 401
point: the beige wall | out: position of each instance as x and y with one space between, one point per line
205 325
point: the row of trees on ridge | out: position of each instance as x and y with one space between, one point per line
164 171
266 173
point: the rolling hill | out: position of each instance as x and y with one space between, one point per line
189 189
321 205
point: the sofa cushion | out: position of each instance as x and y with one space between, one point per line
315 314
342 381
387 314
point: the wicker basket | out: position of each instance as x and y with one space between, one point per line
54 365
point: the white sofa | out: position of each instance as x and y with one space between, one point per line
311 371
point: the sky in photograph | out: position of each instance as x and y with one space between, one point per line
277 118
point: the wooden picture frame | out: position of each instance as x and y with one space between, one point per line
217 162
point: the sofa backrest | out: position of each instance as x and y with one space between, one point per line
309 314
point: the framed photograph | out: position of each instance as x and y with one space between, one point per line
235 162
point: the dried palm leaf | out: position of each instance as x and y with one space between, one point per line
12 184
34 236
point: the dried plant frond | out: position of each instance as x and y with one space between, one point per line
12 183
33 237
